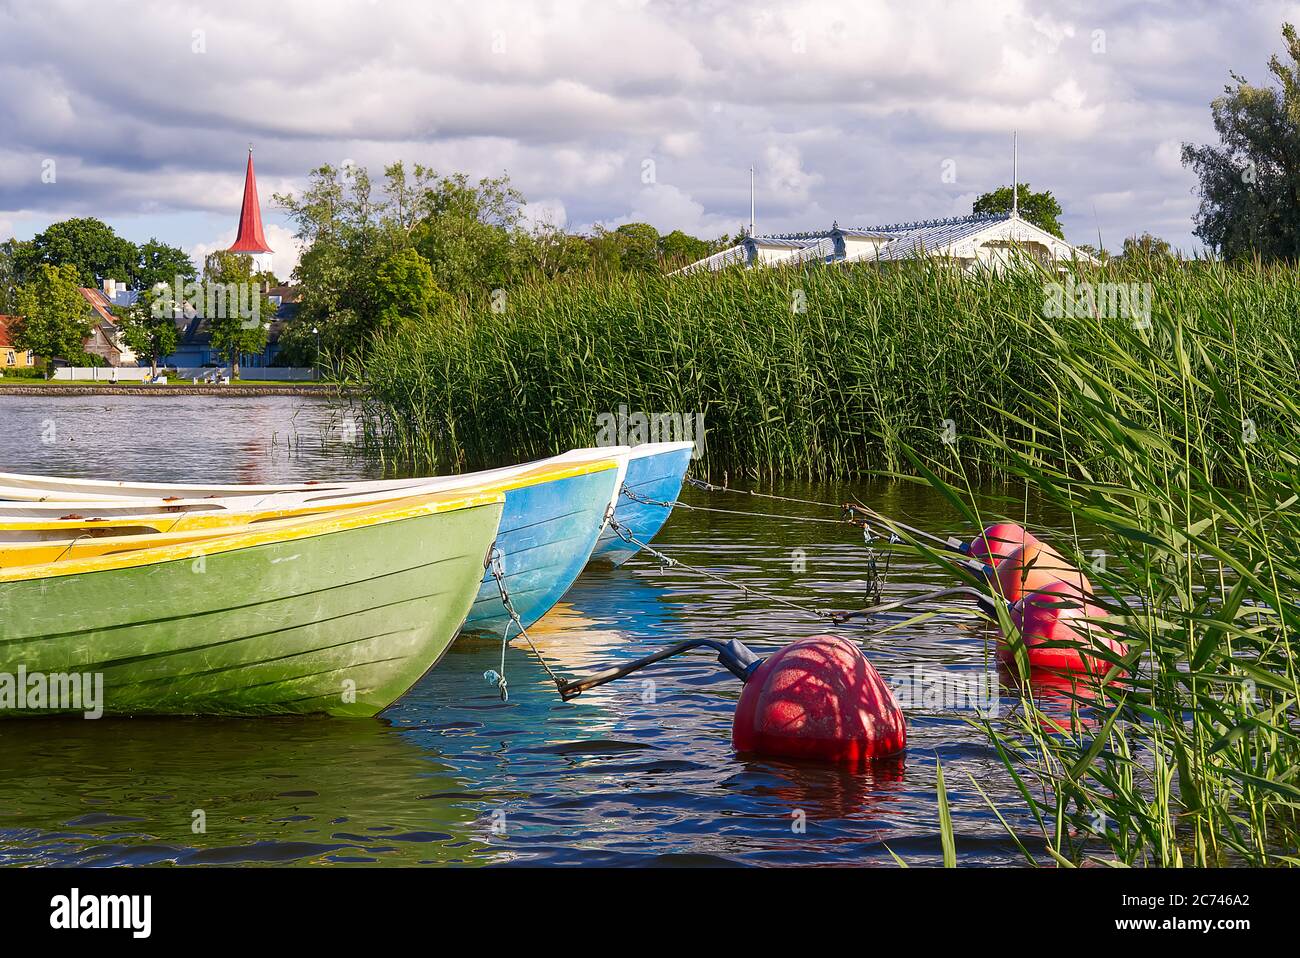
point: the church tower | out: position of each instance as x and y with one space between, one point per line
252 238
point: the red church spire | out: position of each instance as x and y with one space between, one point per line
251 239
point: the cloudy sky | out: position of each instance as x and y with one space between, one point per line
612 111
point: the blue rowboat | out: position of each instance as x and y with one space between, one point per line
555 510
655 471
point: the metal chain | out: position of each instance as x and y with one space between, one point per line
499 575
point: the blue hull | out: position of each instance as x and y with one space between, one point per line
545 538
658 477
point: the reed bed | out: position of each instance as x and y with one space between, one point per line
1192 758
814 373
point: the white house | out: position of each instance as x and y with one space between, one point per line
966 241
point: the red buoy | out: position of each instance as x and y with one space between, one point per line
1053 622
1036 566
818 699
998 541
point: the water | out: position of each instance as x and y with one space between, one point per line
637 772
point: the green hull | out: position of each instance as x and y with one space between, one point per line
342 623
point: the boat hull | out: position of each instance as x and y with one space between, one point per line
657 477
342 622
547 533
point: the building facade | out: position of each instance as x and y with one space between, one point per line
11 357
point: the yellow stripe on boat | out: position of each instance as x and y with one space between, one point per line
160 521
338 521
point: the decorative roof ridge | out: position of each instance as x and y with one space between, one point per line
929 224
891 228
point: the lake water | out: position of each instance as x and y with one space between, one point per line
636 772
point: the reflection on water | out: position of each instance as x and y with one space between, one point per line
180 438
631 773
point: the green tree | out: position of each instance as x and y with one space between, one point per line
466 231
678 249
346 234
55 319
638 248
405 292
149 324
1146 246
1250 183
1096 252
87 245
467 234
10 278
241 317
1041 209
160 263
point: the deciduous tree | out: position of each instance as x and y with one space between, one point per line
1040 208
1250 182
56 319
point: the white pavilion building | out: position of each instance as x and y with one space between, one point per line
970 242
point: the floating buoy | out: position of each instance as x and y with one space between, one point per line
818 699
998 541
1054 623
1036 566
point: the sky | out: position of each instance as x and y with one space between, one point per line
613 111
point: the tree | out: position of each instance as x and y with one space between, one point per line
55 319
1146 246
466 231
346 234
10 279
1250 183
678 249
638 247
239 321
405 293
354 274
1096 252
160 263
89 246
149 325
549 251
1041 209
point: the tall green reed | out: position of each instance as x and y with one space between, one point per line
1178 440
815 373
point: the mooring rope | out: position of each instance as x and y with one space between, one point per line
679 504
710 487
668 561
894 525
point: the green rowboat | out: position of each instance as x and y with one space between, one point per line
338 614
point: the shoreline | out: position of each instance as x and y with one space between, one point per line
189 389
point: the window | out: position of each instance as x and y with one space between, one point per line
10 358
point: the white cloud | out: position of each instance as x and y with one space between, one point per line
668 208
544 213
842 109
285 249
